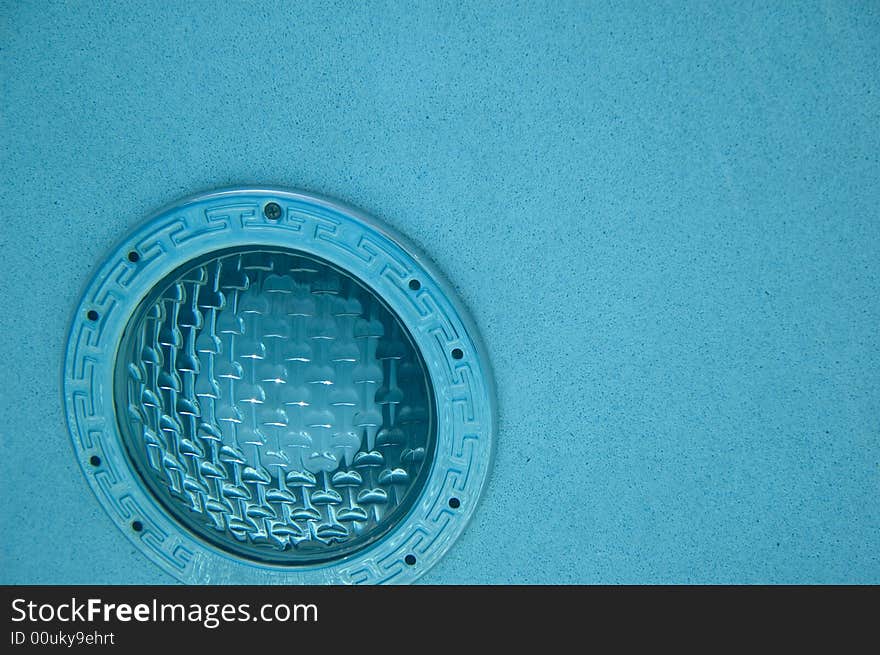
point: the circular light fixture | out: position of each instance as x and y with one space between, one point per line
265 386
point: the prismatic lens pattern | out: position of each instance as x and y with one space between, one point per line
275 406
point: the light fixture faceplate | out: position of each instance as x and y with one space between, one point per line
267 386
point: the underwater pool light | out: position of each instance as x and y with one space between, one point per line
269 387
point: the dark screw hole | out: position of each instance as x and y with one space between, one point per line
94 460
410 559
272 211
137 526
415 285
134 257
454 503
92 315
457 353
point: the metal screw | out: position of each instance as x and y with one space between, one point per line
272 211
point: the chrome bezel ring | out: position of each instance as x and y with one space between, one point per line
441 329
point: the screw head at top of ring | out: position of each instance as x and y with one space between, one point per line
272 211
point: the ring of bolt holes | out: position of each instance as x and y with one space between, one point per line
414 285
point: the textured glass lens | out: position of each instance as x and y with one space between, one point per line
274 406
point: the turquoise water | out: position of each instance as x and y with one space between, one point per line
664 219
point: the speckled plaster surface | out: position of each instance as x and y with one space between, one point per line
663 217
